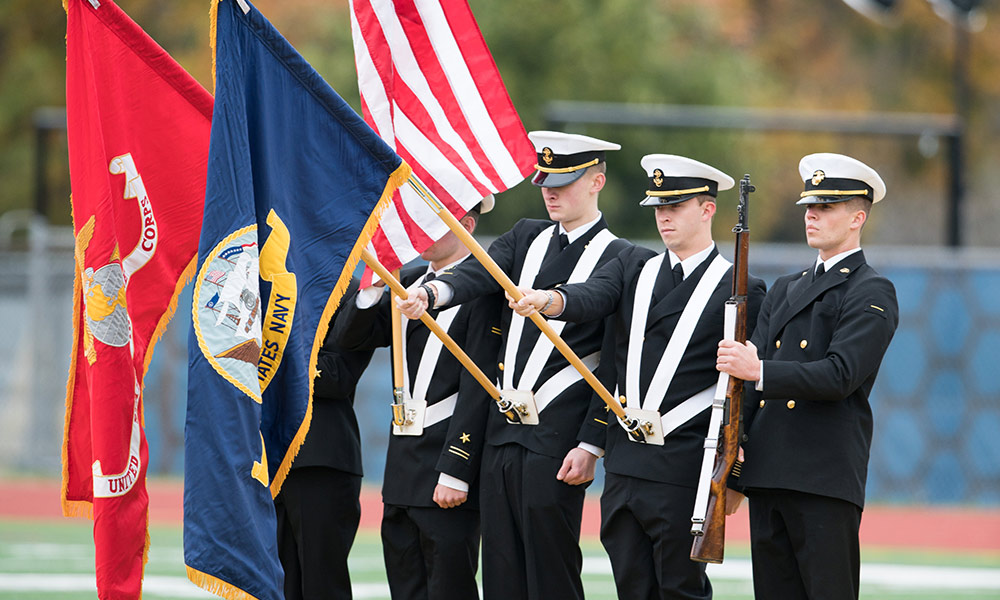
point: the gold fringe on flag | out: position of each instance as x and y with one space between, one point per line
168 314
75 508
213 17
214 585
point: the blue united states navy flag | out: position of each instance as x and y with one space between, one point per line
295 183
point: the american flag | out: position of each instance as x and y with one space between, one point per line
430 89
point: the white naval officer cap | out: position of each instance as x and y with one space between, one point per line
487 204
833 178
564 157
674 179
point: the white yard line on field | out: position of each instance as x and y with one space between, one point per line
872 574
876 575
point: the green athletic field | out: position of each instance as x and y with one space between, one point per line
53 560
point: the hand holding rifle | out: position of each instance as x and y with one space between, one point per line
714 500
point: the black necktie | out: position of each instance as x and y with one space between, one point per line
563 241
554 250
819 271
430 276
678 271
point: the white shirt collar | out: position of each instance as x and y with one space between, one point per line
577 233
690 263
828 263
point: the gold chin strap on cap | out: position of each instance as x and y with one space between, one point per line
567 169
677 192
834 193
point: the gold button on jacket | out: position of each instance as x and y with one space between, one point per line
791 404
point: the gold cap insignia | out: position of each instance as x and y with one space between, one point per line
547 155
818 177
658 178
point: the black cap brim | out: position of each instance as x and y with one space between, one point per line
825 199
554 180
668 200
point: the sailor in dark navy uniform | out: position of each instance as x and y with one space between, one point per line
814 356
319 508
430 522
534 472
668 320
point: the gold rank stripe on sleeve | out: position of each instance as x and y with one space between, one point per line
877 307
601 422
459 452
497 330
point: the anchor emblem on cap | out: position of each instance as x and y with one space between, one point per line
818 177
658 178
547 155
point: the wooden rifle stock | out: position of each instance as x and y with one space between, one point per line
710 539
709 547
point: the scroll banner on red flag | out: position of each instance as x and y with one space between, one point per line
138 130
430 89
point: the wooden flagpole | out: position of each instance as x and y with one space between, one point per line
396 319
398 290
505 282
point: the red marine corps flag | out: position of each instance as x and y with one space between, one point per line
138 128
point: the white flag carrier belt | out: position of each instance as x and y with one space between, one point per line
416 403
543 348
566 377
679 340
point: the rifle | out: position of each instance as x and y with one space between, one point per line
708 522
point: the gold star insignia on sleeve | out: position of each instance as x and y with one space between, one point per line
464 437
317 373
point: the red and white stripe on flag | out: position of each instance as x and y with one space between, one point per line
430 89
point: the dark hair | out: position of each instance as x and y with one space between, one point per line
475 213
862 203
